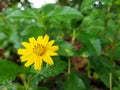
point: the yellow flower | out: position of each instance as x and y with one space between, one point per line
37 51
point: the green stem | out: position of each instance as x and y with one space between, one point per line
69 66
72 42
73 36
110 78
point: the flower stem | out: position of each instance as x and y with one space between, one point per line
72 42
110 78
69 66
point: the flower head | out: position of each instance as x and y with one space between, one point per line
37 51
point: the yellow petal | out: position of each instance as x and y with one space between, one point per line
27 45
25 57
50 44
39 39
48 59
24 51
32 41
38 63
51 53
45 40
31 60
53 48
28 63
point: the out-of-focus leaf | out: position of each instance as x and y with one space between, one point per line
23 14
40 88
15 39
100 64
2 36
32 30
65 13
58 67
105 79
12 86
9 70
117 53
46 9
65 48
116 88
93 43
107 2
94 22
87 6
74 83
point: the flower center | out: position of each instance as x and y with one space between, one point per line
39 49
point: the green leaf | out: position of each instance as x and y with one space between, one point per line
107 2
58 67
65 13
47 8
65 48
33 30
2 36
117 53
15 39
74 82
86 6
103 67
105 79
9 70
40 88
91 42
23 14
95 42
12 86
116 88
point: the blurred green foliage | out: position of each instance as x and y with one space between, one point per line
88 34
